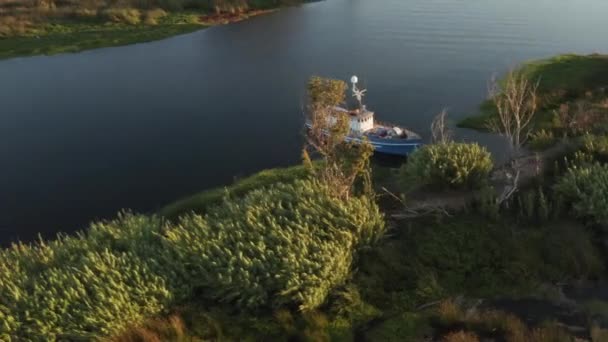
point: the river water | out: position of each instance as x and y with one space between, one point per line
84 135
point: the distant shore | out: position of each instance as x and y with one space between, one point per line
78 34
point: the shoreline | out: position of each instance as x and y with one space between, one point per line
563 79
73 36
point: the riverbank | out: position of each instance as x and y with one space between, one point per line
575 82
70 33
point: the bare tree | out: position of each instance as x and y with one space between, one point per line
516 103
440 132
343 163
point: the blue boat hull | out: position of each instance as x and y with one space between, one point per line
397 147
394 147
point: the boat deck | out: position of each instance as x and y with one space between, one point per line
384 132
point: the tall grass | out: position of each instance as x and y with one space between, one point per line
286 245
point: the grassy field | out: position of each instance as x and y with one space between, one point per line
563 79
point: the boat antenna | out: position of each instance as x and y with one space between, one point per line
358 93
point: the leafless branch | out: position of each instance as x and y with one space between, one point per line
516 104
440 132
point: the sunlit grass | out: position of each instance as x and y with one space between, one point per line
72 36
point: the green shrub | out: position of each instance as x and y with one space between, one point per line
74 288
454 165
466 256
534 205
281 245
542 140
485 202
129 16
585 188
597 146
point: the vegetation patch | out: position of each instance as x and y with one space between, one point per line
287 245
201 202
63 37
52 26
564 79
585 188
449 165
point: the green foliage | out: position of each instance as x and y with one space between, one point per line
542 140
76 288
83 35
325 92
568 252
406 326
453 165
343 164
468 256
283 245
200 202
585 188
427 260
286 244
597 146
536 205
347 304
485 203
567 76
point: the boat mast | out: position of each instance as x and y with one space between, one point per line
358 93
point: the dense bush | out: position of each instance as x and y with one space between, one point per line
597 146
542 140
284 245
454 165
469 256
585 188
287 244
77 287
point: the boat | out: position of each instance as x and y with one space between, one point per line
385 138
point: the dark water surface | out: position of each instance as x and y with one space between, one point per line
84 135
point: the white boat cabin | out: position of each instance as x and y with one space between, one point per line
361 120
